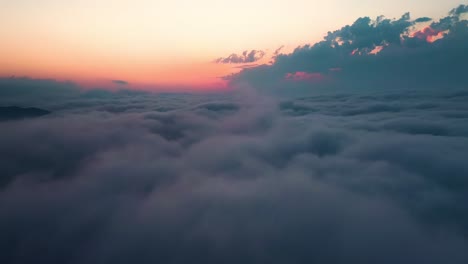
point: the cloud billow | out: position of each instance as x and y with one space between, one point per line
374 54
123 177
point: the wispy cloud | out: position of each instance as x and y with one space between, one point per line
245 57
121 82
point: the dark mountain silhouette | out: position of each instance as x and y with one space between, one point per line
15 112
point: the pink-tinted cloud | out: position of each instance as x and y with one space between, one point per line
429 34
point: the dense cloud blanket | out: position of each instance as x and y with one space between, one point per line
132 177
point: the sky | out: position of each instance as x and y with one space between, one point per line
170 44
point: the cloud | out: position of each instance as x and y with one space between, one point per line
373 54
428 35
423 19
59 96
121 82
245 57
29 90
461 9
278 50
237 178
304 76
246 66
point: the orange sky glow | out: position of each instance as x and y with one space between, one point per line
168 44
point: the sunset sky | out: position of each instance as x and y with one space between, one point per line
169 43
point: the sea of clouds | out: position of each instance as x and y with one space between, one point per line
237 177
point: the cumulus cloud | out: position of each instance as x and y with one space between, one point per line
245 57
373 54
459 10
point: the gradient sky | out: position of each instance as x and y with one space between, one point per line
169 43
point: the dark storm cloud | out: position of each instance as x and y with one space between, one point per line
373 54
245 57
238 178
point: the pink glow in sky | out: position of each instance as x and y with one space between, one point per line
169 43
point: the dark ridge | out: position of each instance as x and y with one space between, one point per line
15 112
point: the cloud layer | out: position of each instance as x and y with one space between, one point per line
374 177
